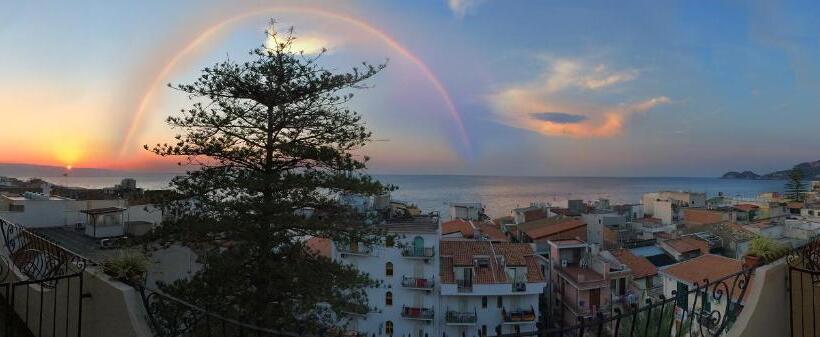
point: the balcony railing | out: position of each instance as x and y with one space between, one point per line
518 316
464 286
519 286
461 317
419 313
422 283
418 252
356 250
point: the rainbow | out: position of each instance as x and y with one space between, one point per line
158 80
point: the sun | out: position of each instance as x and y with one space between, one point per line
68 153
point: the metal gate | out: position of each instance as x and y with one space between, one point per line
41 286
804 291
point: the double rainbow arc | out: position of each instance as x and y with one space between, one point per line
210 32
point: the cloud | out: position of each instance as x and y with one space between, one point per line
569 86
462 7
307 44
558 117
566 73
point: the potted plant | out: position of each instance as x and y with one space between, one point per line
128 268
763 250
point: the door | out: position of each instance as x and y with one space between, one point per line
594 299
418 245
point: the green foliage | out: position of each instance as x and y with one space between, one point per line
270 136
130 267
656 324
795 186
767 249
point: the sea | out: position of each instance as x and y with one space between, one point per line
499 194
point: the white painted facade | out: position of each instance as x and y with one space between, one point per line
374 261
487 302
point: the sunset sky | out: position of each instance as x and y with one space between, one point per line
472 87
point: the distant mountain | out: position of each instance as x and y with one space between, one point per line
740 175
810 170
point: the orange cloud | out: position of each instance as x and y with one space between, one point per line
549 104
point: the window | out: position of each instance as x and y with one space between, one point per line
389 241
388 328
388 269
500 302
498 330
388 298
483 331
483 301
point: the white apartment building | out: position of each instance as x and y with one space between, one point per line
665 205
406 302
488 288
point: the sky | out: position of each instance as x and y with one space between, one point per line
488 87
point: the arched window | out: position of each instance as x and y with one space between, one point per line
388 269
388 328
388 298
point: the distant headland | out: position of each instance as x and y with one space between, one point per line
809 169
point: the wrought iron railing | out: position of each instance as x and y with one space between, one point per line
45 298
173 317
464 285
803 284
519 315
421 313
461 317
36 256
418 252
418 282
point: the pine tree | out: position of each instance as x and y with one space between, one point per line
271 137
795 186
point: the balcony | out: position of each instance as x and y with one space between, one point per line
464 286
418 313
519 316
519 286
461 317
418 252
355 309
418 283
354 250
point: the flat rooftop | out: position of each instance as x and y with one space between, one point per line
77 242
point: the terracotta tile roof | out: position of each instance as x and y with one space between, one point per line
649 220
320 246
549 226
687 244
640 266
746 207
582 276
463 253
503 220
457 225
696 216
705 267
579 233
492 232
795 205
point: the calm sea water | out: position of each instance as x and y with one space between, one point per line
500 194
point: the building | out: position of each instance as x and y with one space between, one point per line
585 282
645 282
648 229
598 220
489 288
685 247
406 301
468 229
526 214
466 210
666 205
685 276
